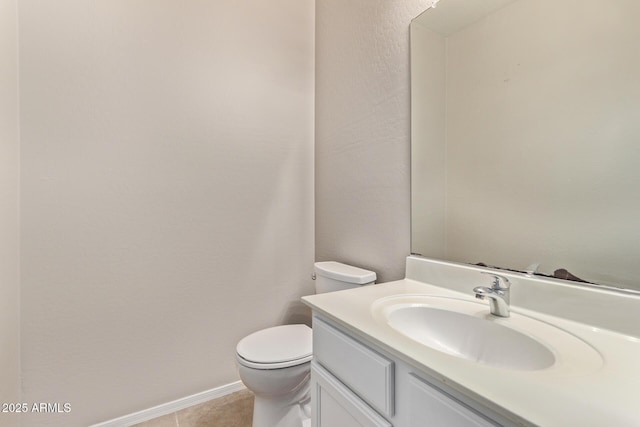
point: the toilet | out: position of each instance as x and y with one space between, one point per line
275 363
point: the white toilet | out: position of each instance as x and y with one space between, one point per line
274 363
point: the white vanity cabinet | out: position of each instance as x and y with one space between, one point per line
356 384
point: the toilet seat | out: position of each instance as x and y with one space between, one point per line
276 348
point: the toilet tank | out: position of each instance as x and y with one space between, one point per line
334 276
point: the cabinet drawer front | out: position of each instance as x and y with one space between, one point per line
336 406
364 371
429 406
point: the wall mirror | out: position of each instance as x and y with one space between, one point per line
526 136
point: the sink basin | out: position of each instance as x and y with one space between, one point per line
473 338
466 329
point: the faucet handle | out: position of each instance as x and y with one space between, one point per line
499 282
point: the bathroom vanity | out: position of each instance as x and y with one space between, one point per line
423 351
356 383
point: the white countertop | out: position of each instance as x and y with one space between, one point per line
605 394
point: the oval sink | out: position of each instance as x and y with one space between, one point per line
465 329
473 338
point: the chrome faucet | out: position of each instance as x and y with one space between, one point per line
498 294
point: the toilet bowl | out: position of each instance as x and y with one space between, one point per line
275 363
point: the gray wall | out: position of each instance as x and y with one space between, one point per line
362 132
167 194
9 212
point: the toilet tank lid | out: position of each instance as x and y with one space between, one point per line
344 273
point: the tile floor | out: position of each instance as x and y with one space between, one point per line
234 410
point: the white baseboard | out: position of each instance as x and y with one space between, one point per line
170 407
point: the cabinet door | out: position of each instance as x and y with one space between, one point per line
431 407
334 405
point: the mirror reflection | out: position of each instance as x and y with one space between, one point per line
526 136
